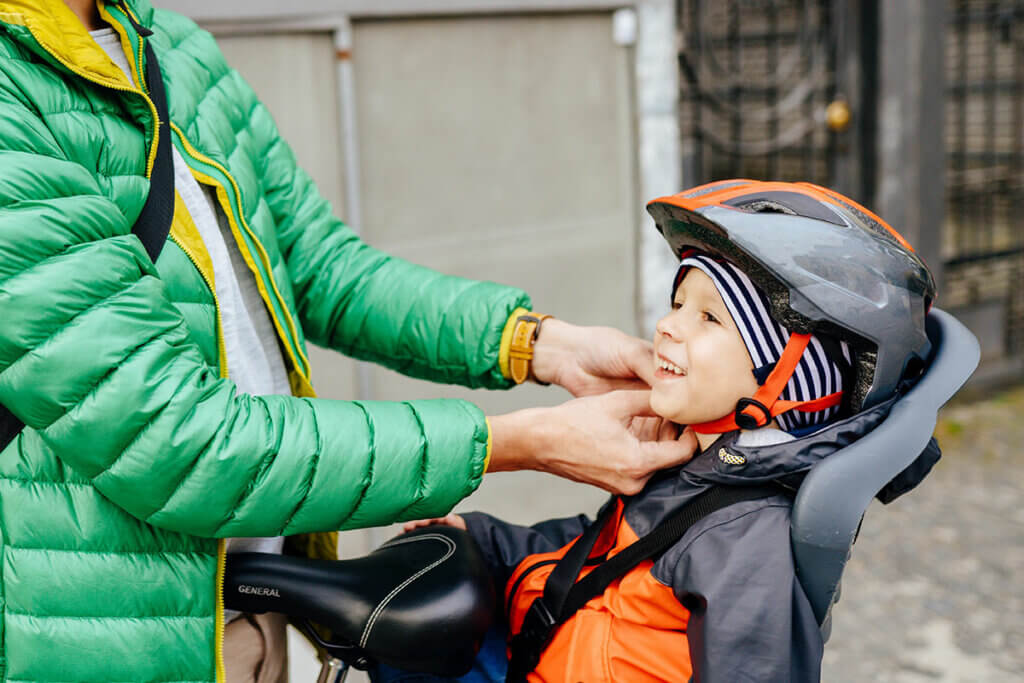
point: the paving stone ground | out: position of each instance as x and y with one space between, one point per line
935 588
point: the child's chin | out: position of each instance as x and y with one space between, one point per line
667 408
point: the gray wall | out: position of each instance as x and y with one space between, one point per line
491 148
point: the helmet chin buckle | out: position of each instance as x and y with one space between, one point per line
748 421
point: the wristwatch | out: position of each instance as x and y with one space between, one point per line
520 354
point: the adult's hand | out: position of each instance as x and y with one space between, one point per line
588 440
591 360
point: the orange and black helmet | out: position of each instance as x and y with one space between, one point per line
826 265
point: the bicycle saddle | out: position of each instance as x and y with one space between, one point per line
421 602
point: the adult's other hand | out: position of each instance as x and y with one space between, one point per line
588 440
591 360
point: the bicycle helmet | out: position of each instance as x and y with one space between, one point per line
827 266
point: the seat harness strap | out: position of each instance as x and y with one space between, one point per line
564 595
154 222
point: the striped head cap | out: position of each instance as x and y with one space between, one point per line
810 396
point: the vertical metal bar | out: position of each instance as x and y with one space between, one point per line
735 94
699 144
991 96
812 24
1016 175
911 154
1015 183
772 49
867 108
837 40
349 131
333 671
350 152
959 193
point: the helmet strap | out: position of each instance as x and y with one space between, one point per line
758 411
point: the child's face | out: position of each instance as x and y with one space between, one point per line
699 337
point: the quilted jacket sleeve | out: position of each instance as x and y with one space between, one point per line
366 304
98 362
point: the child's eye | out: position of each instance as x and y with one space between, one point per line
711 316
676 305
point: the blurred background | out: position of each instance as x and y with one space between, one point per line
518 141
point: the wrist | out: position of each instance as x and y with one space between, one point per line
554 346
515 441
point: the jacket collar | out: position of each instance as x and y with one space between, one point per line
729 461
49 28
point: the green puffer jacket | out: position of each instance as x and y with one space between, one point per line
139 453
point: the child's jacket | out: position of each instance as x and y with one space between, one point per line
722 605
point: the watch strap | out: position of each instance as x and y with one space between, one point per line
524 336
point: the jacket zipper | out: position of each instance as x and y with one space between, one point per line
150 161
222 354
218 643
218 638
113 85
226 191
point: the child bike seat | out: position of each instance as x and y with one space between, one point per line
833 497
421 602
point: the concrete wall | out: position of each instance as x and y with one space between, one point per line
491 148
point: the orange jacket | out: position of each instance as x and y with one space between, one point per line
721 605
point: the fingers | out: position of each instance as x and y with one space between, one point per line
630 404
672 452
451 519
668 431
606 385
419 523
646 428
641 360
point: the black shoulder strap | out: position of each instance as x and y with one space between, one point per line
564 595
154 222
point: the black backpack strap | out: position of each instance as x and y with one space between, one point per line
154 222
562 598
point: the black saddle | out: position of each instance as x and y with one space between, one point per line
421 602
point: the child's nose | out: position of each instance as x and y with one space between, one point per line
667 327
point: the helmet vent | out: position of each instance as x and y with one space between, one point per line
762 206
791 203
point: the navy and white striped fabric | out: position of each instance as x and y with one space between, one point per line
815 375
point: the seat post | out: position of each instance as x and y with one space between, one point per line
333 671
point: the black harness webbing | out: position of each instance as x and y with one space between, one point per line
564 595
154 222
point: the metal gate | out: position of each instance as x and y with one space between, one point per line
768 91
984 232
788 90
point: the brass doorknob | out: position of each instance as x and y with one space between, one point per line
838 115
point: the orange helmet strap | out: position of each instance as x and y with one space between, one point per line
758 411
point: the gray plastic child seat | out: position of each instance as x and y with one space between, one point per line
836 492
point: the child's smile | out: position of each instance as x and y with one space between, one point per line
667 369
